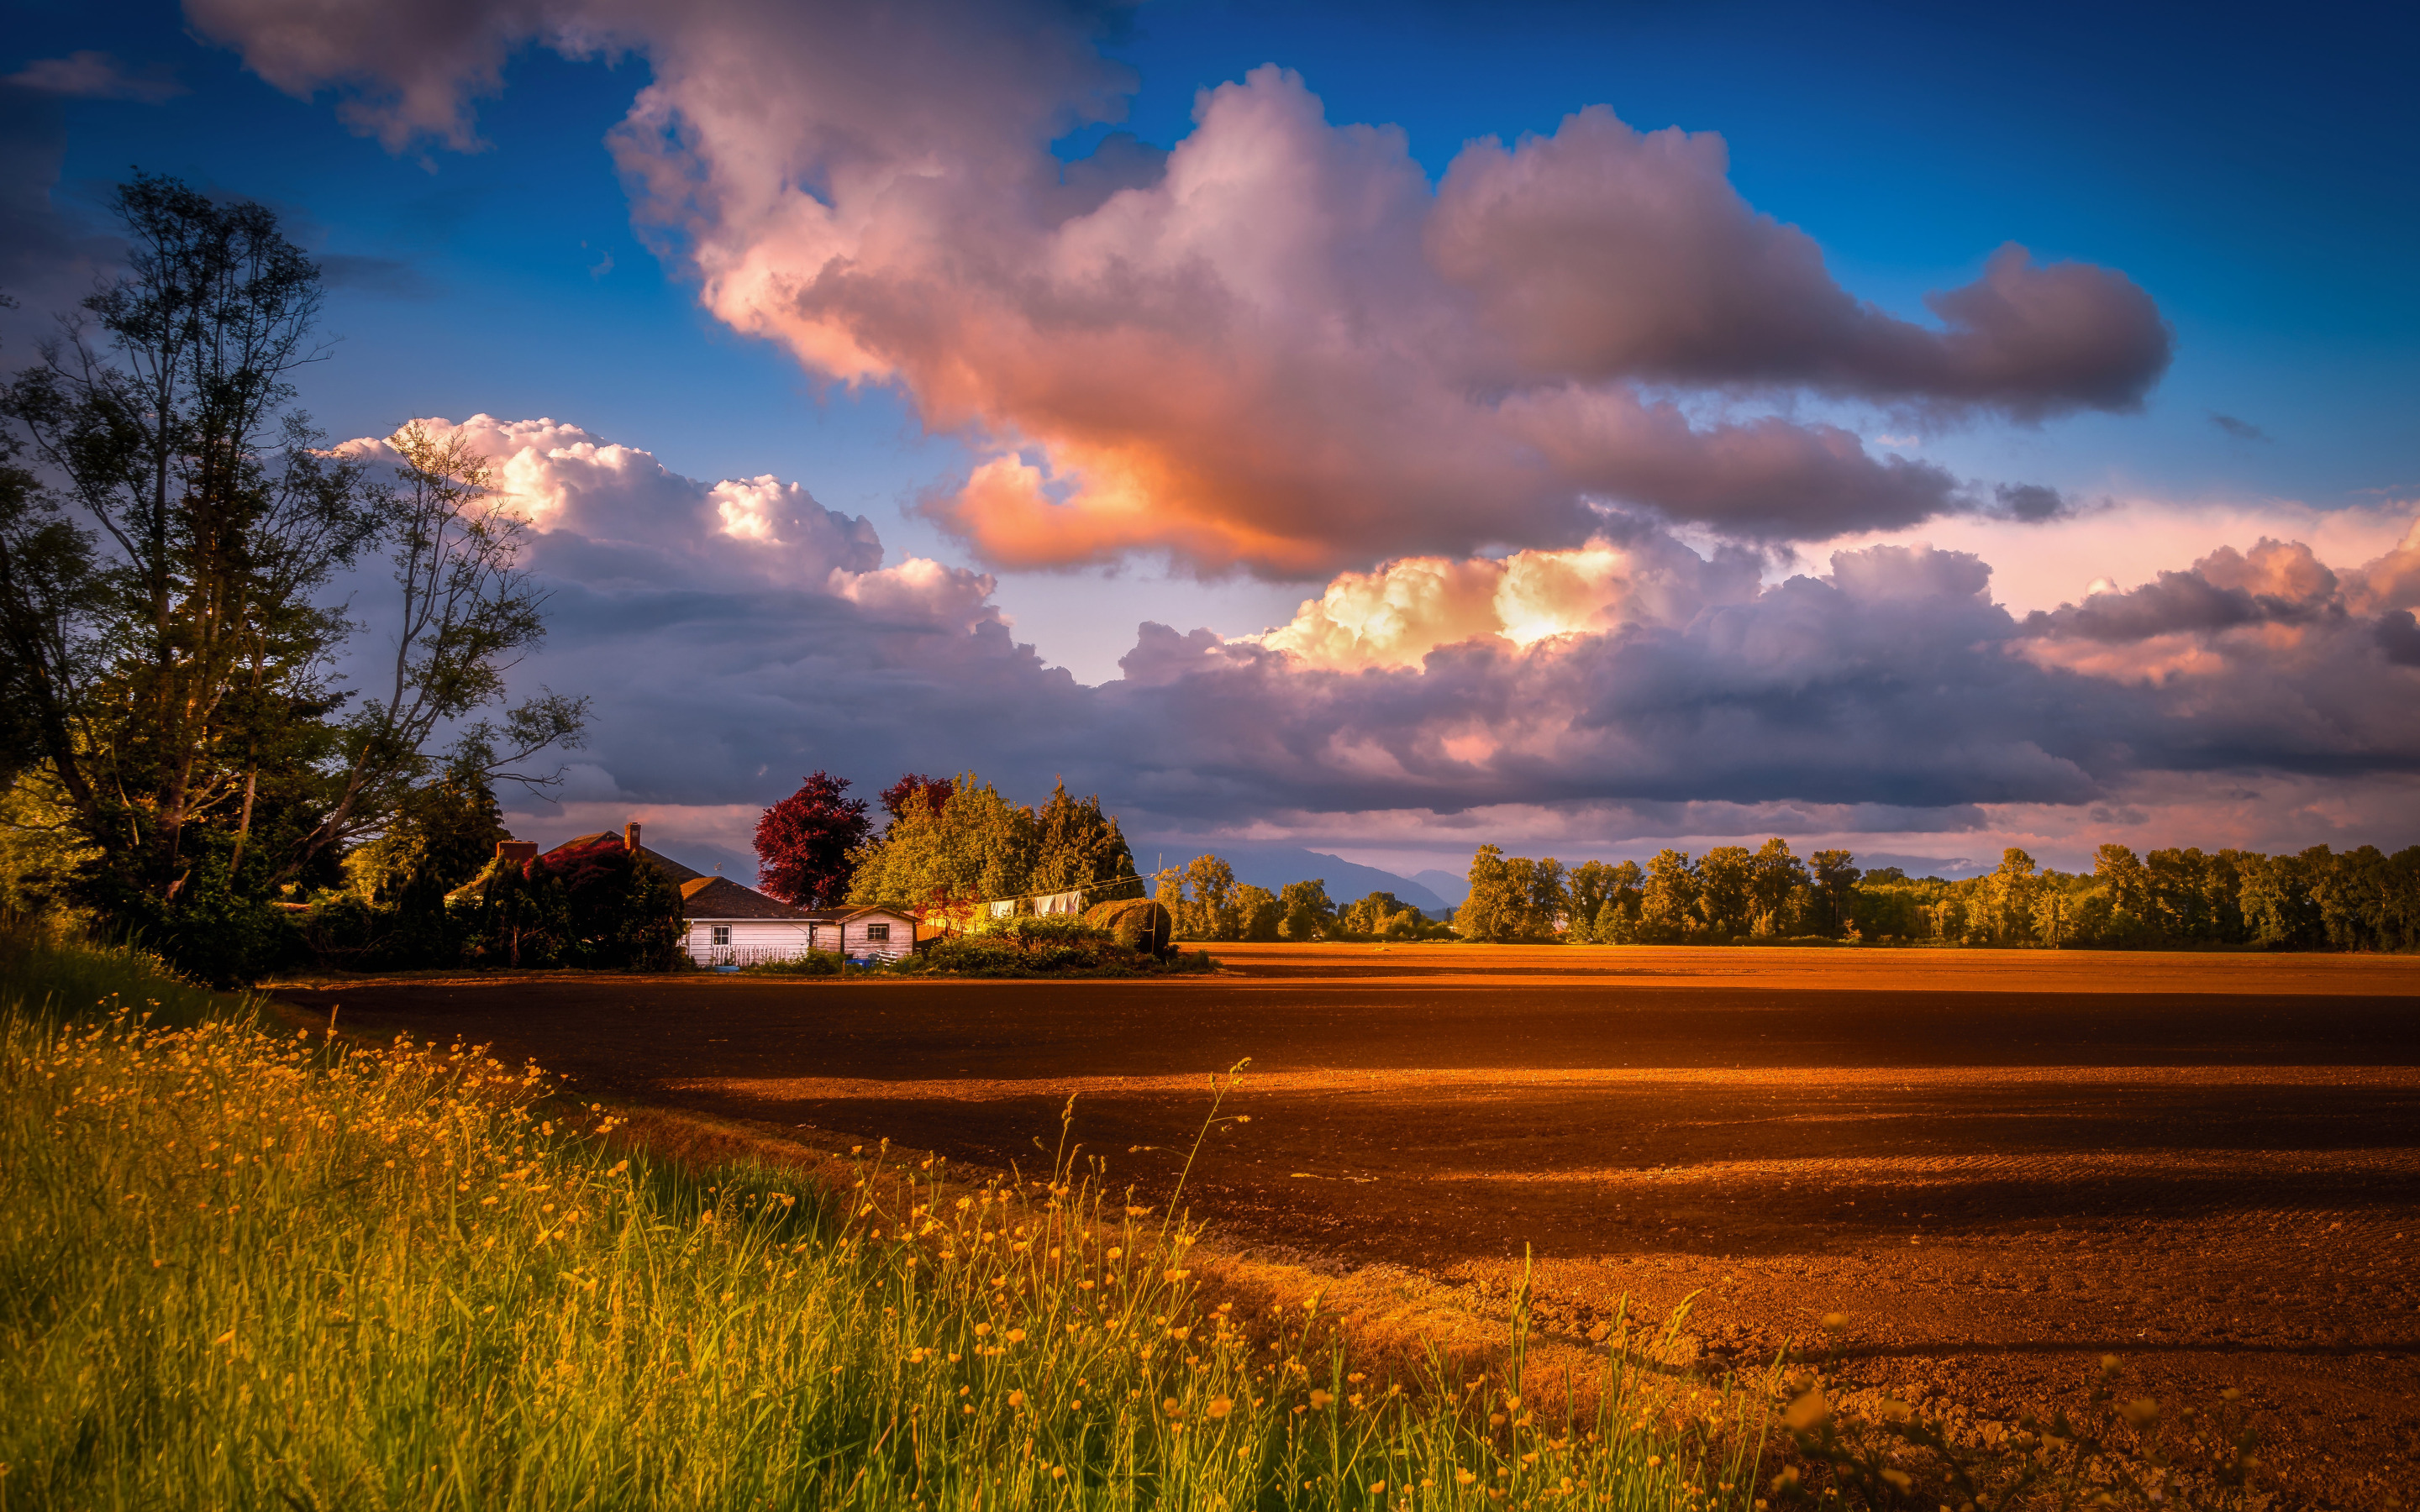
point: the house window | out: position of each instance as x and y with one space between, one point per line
878 934
721 934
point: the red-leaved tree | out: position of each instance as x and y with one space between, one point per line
915 787
802 843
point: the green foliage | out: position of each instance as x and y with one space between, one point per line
1078 846
1382 915
805 964
1306 912
1258 913
1513 898
1116 939
48 979
1778 889
971 846
442 835
2359 900
1203 900
1725 901
1668 899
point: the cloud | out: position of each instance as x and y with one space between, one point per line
392 277
2276 583
89 75
2030 502
1275 347
50 257
1602 252
735 635
2242 430
2398 637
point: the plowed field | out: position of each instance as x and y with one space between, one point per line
2000 1164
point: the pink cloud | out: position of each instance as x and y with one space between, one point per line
1276 348
90 76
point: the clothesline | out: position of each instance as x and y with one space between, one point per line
1001 907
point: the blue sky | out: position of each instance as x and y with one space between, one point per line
2249 172
2253 173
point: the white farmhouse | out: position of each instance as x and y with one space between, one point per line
730 925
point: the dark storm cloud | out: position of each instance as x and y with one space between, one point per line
2398 637
2029 502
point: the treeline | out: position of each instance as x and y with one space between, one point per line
1207 903
2313 900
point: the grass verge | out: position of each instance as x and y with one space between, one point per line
239 1268
244 1270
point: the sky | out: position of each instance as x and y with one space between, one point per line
1382 429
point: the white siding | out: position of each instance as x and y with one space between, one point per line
903 936
777 939
750 939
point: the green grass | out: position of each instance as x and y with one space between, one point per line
66 979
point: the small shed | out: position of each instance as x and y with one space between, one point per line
873 930
730 925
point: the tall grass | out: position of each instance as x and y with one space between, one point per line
49 977
238 1269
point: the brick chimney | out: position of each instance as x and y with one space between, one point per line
630 837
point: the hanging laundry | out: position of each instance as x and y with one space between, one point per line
1060 902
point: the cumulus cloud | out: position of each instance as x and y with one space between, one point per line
737 633
1604 252
1275 347
89 75
730 631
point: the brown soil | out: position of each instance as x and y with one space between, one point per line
2001 1165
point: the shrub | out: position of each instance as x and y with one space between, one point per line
806 963
1137 923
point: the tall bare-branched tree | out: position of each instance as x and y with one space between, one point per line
469 611
169 521
191 654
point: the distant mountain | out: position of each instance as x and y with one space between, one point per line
1274 866
1450 885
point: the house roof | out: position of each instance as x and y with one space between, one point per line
678 873
722 898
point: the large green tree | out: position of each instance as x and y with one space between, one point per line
971 846
1077 846
170 522
184 656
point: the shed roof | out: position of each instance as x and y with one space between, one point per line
722 898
